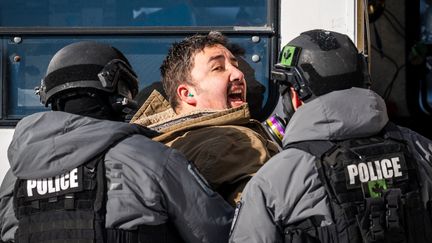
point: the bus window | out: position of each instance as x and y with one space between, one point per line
116 13
32 31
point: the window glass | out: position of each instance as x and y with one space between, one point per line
114 13
27 60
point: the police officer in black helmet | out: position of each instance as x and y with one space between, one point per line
79 175
346 173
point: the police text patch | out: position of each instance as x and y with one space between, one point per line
390 166
54 186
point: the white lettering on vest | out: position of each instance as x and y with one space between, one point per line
352 172
64 182
376 170
57 183
396 167
31 184
51 188
42 187
372 175
74 178
54 184
363 172
386 164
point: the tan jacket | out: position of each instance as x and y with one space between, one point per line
227 146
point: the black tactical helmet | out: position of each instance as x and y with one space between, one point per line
88 65
320 61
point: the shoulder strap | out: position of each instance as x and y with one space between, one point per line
392 131
317 148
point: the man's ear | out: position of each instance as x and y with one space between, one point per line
186 94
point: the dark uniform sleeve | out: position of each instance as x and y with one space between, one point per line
422 150
199 214
8 221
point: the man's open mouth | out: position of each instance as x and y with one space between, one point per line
236 97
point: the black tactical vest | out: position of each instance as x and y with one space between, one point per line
373 188
71 208
65 208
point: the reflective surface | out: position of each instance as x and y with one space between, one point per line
28 59
112 13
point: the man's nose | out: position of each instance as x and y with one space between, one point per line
236 74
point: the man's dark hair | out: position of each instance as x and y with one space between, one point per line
177 66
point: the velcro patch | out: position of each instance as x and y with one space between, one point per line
385 167
69 182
